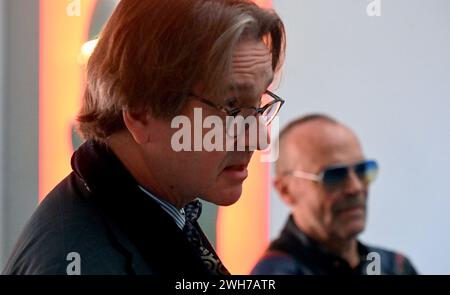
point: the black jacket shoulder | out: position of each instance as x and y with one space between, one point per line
68 221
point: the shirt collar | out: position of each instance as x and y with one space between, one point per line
177 215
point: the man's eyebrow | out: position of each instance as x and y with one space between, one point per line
240 87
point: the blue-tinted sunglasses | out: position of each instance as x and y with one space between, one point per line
336 176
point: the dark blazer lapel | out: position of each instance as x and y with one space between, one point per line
151 230
154 233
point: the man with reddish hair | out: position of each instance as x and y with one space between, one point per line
129 206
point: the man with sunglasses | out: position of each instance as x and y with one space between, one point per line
324 177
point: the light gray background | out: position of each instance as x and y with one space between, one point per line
387 77
19 91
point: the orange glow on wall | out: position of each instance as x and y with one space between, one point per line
264 3
60 85
243 228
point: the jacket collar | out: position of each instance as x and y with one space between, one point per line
151 230
296 243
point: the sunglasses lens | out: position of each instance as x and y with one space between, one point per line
335 177
367 171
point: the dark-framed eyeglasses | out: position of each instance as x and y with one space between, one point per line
335 176
267 112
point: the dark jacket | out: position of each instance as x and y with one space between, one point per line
99 212
294 253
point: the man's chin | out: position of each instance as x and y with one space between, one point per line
225 197
230 195
349 229
353 230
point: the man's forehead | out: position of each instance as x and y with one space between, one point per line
252 61
325 144
250 48
240 85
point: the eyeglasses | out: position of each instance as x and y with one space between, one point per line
335 176
267 112
271 107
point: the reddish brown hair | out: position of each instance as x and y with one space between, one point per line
152 52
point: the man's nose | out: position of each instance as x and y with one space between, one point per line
354 184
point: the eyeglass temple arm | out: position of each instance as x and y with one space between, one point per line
306 175
274 95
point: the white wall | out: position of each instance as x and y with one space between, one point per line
388 77
19 121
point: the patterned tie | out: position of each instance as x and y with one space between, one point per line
192 212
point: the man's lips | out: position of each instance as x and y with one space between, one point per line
236 172
351 209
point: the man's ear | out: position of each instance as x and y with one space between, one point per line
281 184
138 126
